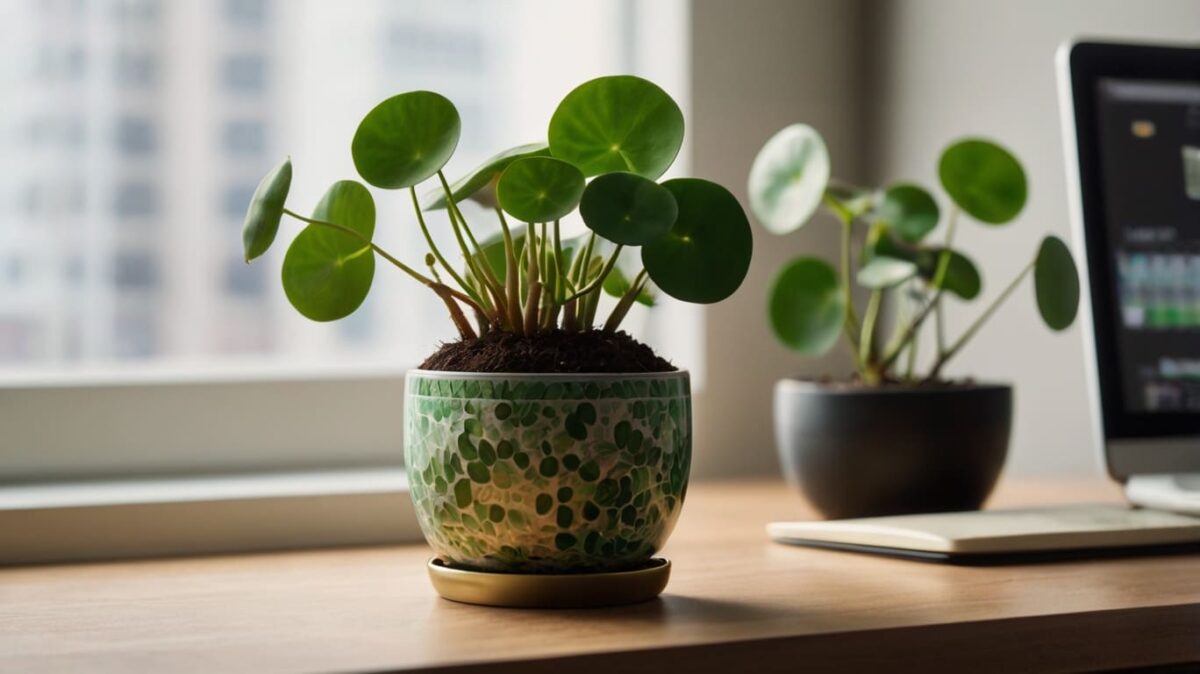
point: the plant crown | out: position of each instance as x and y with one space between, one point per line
621 132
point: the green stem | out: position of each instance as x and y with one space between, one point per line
599 280
559 272
424 280
851 323
626 302
867 338
912 360
974 327
433 248
534 283
512 281
939 278
580 264
470 260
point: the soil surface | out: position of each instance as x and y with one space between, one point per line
555 351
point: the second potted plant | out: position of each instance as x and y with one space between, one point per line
894 439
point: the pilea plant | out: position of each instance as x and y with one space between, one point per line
622 132
812 304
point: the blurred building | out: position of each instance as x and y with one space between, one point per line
133 133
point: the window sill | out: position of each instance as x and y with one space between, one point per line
152 517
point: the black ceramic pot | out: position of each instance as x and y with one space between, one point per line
864 452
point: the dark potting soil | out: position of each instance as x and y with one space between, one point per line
555 351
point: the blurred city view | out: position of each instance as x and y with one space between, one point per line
133 133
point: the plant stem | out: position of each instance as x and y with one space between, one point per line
489 279
974 327
626 302
867 339
912 360
851 323
456 314
437 253
512 281
549 279
472 261
939 278
424 280
580 264
535 285
596 283
912 344
559 272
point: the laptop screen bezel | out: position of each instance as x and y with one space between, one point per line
1088 63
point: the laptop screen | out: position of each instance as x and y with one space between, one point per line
1148 133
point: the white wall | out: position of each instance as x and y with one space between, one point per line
889 83
758 65
943 68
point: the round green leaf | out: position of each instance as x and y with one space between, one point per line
962 277
266 210
628 209
984 179
473 184
909 210
885 272
617 123
806 306
539 189
705 256
788 178
327 273
405 139
1056 284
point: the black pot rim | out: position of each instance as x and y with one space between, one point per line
452 374
792 385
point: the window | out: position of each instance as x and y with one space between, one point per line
137 69
137 270
136 200
243 280
176 112
136 136
182 158
245 73
244 138
235 201
248 14
138 149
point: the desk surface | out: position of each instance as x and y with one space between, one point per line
735 600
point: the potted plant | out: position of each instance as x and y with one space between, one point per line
893 439
545 440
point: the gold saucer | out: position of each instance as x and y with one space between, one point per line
530 590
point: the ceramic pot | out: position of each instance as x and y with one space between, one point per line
547 473
865 452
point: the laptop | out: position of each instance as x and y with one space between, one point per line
1131 126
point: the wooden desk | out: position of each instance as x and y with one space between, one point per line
736 603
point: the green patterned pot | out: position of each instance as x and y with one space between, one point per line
547 473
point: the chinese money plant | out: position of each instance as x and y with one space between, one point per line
886 249
607 144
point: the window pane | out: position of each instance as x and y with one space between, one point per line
133 133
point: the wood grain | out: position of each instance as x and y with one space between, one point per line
735 600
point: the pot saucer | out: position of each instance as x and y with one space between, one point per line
540 590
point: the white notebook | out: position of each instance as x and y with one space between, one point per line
987 532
